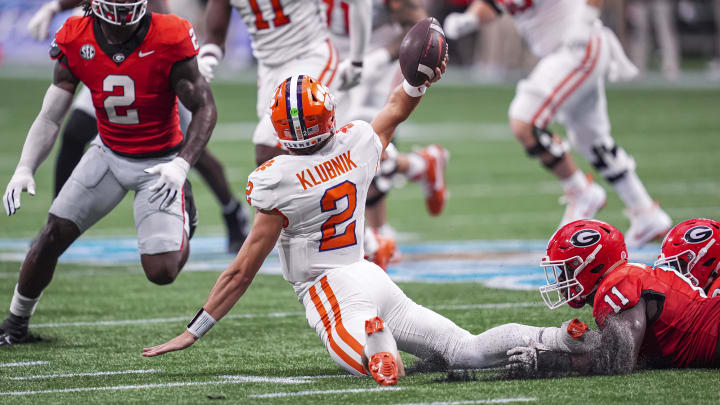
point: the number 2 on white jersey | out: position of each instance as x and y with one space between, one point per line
124 100
330 239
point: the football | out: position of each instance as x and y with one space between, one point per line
422 50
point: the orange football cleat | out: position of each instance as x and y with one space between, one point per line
383 368
385 252
433 179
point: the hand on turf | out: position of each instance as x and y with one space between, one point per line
21 180
39 24
169 185
523 360
349 75
180 342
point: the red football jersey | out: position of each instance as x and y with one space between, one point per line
714 289
685 333
135 105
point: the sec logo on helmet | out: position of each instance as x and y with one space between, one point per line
698 234
585 238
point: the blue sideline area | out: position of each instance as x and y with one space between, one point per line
511 264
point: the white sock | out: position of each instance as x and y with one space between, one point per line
633 192
416 166
577 182
23 306
380 342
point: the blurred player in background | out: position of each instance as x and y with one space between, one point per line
81 128
568 83
692 248
391 20
289 37
136 66
648 316
361 316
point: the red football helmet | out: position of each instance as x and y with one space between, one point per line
578 255
302 112
692 247
119 12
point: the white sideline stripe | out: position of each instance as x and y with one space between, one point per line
477 401
324 392
24 364
282 380
48 376
126 322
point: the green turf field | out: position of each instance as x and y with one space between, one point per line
97 320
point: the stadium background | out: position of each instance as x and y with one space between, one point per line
477 263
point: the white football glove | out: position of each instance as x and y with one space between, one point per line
460 24
524 359
39 24
21 180
349 75
169 185
209 57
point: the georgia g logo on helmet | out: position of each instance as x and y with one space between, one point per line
585 238
698 234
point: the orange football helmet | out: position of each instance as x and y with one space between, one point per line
302 112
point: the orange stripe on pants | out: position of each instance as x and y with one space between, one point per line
328 329
342 332
331 51
562 84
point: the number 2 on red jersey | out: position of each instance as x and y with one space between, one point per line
330 238
260 22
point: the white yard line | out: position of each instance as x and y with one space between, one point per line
126 322
70 375
114 388
323 392
477 401
24 364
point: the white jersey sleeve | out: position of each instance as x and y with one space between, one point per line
281 30
322 197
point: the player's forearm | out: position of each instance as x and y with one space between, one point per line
44 130
360 28
235 280
198 133
217 21
398 108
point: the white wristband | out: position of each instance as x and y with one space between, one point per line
202 323
211 49
413 91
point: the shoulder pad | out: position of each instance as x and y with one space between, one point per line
171 29
262 183
72 29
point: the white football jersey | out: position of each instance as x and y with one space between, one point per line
282 29
384 30
322 197
543 23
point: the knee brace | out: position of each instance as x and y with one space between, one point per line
547 142
611 161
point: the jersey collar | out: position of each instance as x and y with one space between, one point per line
119 52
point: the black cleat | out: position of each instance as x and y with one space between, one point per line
190 208
14 331
237 225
